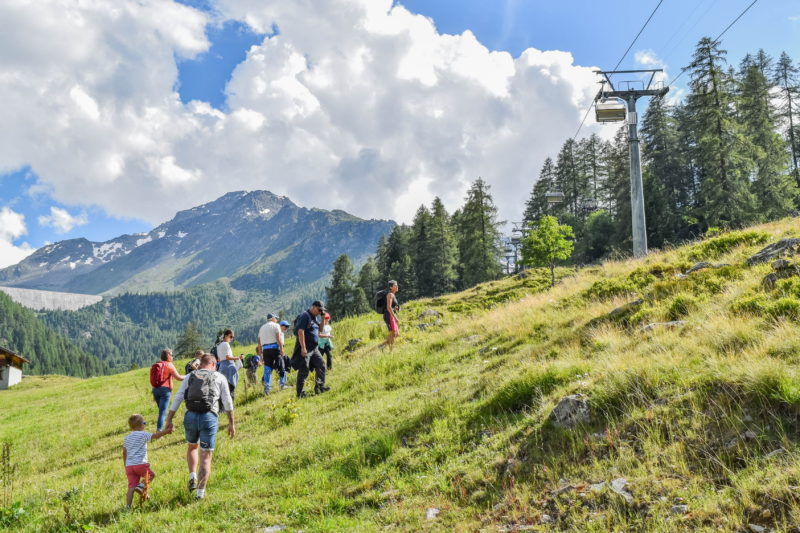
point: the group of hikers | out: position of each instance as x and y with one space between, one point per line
210 381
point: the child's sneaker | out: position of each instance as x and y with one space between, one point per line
192 484
139 488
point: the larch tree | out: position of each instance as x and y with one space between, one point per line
787 78
479 238
721 151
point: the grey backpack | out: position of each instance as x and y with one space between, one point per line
200 391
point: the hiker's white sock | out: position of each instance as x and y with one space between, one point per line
200 493
192 475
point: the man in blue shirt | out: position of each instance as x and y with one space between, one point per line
306 351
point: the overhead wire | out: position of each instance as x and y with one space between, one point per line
684 69
621 59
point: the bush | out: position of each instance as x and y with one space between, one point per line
751 305
681 305
788 308
609 288
717 246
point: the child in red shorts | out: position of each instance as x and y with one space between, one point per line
134 454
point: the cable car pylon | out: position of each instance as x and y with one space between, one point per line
616 106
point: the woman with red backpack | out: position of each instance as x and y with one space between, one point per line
161 374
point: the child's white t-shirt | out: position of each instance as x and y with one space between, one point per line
135 444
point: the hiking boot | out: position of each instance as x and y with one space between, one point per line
192 483
199 497
139 488
301 395
321 389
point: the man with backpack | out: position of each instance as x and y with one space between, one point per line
161 374
306 355
203 391
270 339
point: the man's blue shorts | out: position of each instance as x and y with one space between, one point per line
201 428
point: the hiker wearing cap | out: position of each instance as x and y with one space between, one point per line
270 339
287 365
229 364
325 340
161 376
306 354
203 391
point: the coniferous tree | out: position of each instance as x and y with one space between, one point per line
369 278
394 261
667 175
590 167
721 151
773 188
618 187
422 252
537 206
342 297
787 79
479 239
189 341
443 250
569 179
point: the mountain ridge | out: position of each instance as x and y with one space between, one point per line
241 237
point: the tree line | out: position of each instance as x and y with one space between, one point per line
436 254
49 353
726 156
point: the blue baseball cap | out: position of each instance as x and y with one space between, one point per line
284 323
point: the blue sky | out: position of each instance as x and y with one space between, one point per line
595 33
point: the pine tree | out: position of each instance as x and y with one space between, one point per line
569 178
618 187
369 278
537 206
667 175
787 79
394 261
591 170
189 341
422 252
443 249
479 238
721 151
773 188
342 295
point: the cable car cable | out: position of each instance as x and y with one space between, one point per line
621 59
619 62
684 69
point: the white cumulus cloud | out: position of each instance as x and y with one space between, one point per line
12 227
61 220
353 104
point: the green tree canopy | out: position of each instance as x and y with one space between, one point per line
546 243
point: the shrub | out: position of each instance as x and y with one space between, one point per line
681 305
608 288
751 305
788 308
726 242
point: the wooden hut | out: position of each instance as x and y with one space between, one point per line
10 368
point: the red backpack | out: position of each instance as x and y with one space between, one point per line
159 373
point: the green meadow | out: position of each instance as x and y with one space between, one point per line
697 421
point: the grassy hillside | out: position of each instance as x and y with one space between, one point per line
696 422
